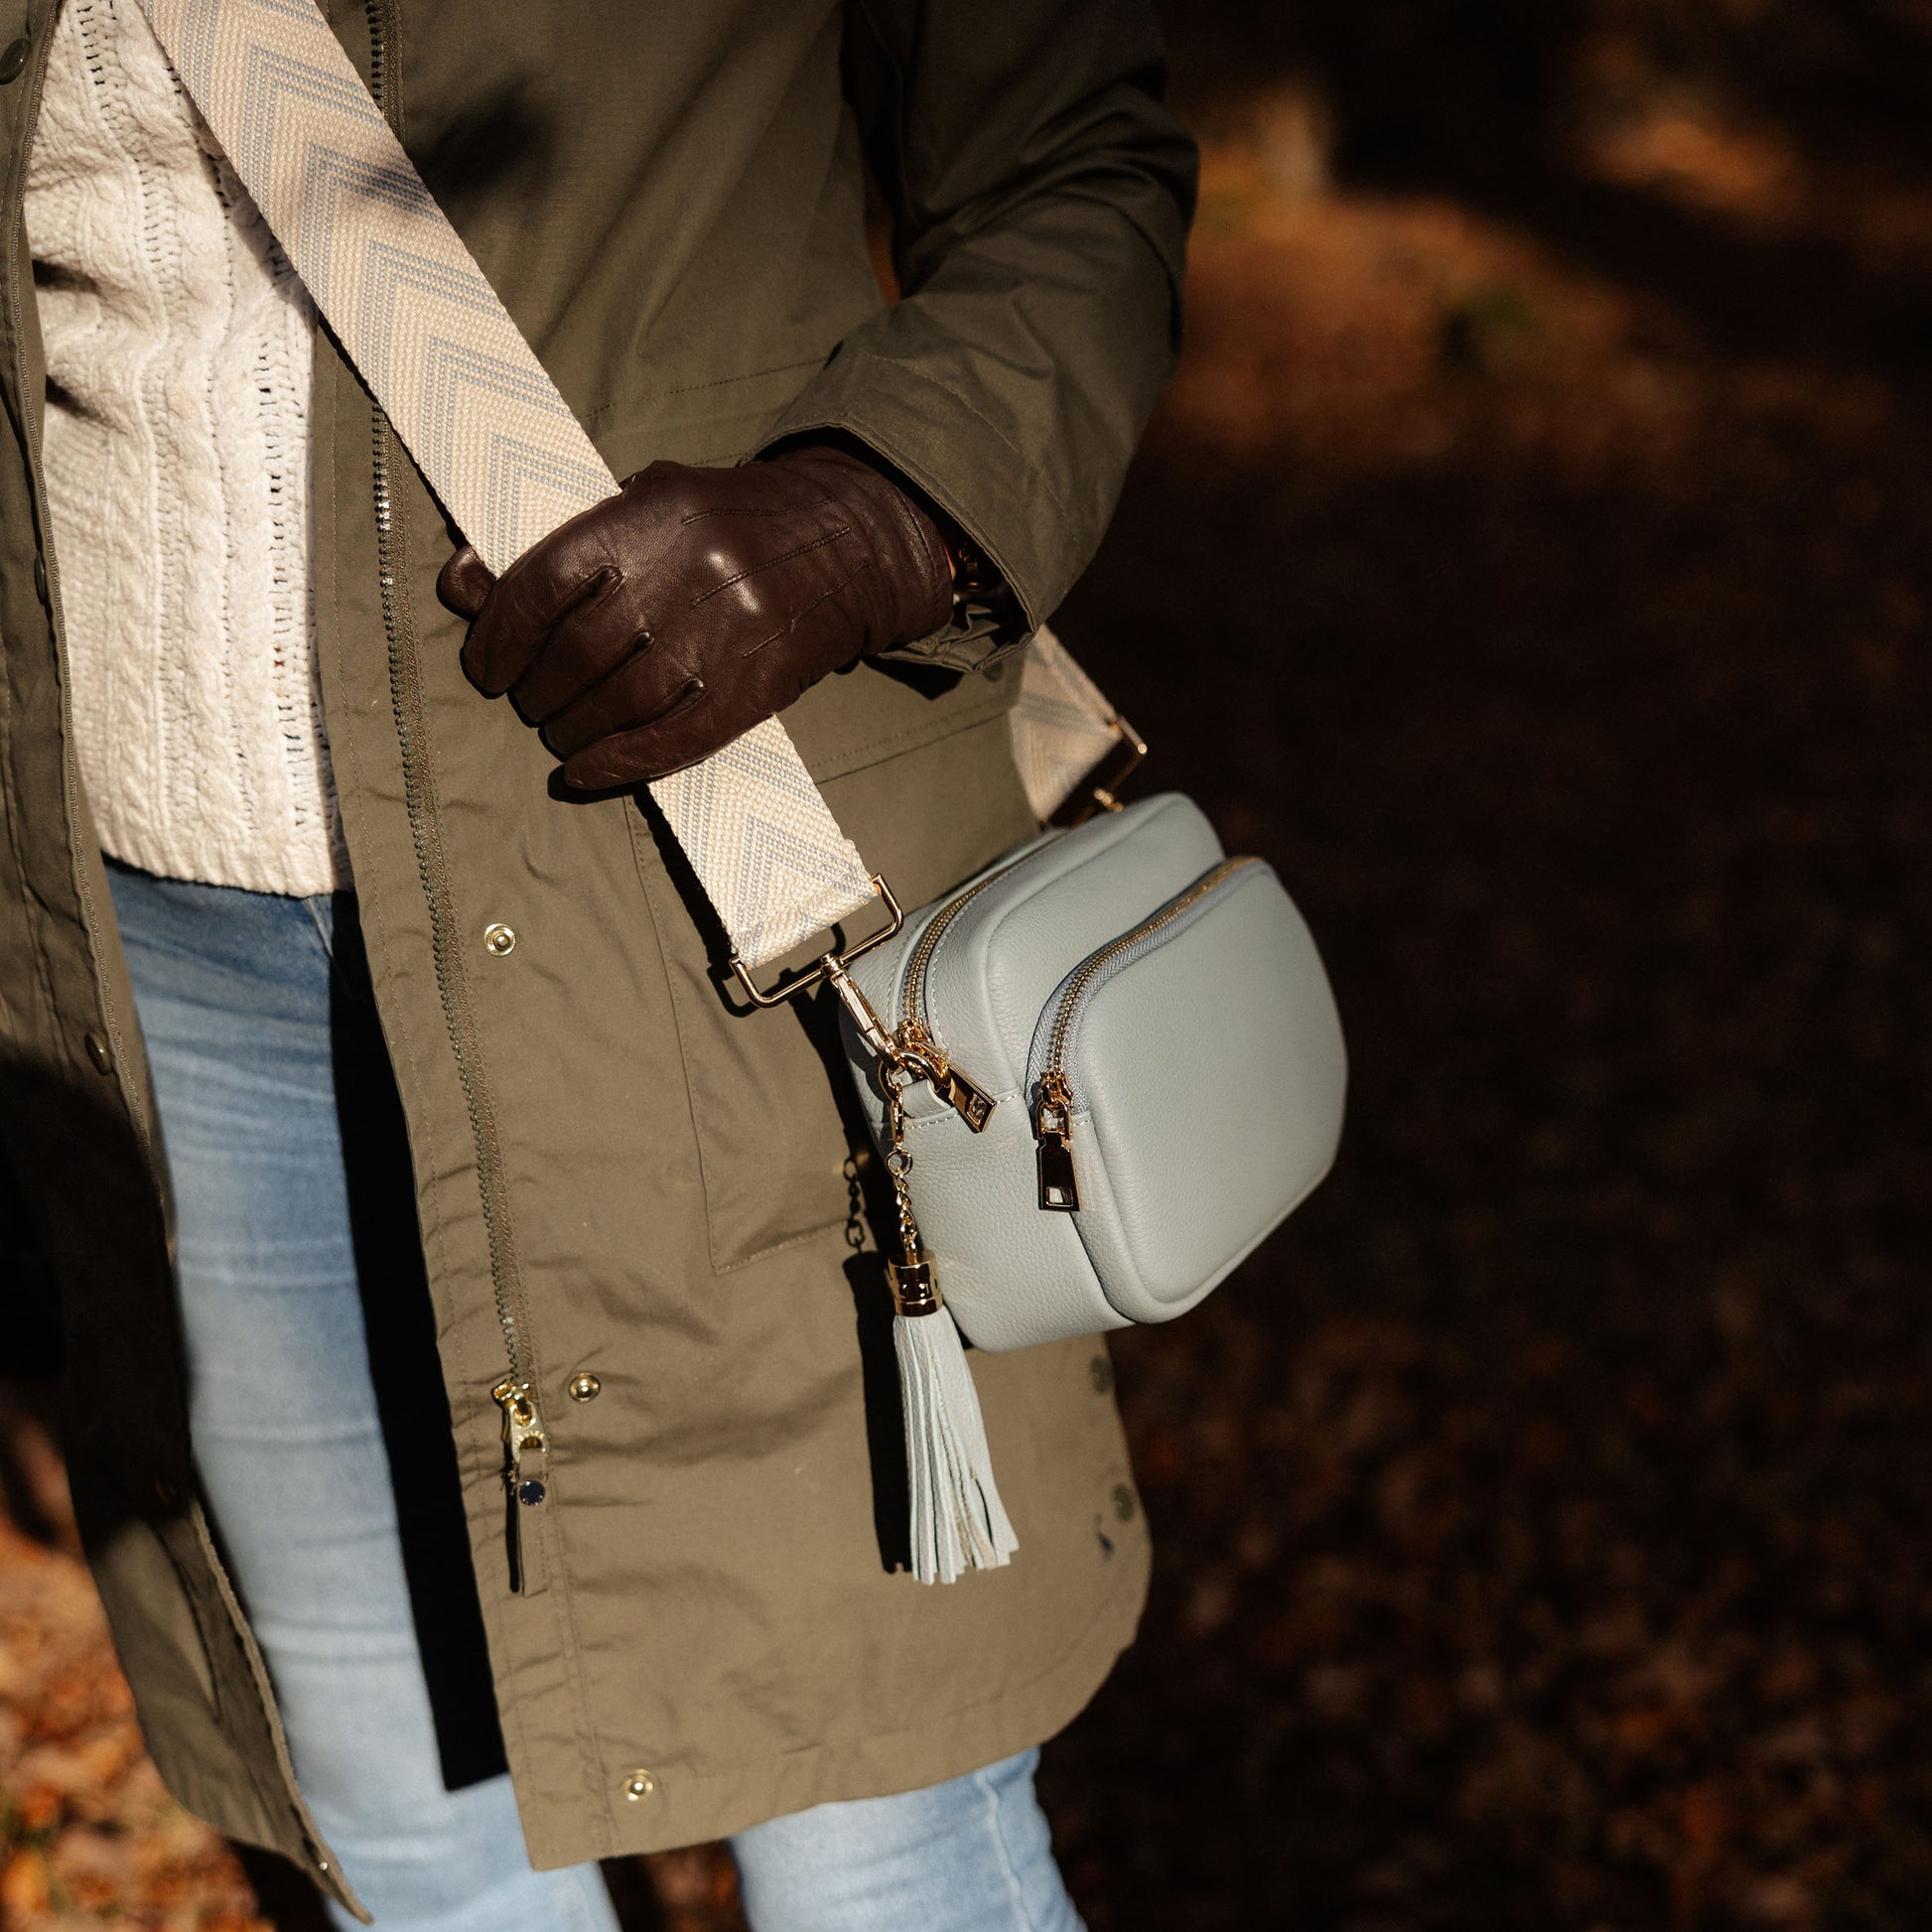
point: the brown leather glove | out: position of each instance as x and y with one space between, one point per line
662 623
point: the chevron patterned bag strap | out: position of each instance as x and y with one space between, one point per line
475 407
501 447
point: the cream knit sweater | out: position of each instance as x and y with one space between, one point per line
179 344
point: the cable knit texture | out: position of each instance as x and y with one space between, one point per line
179 345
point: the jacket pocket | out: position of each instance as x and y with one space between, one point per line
771 1104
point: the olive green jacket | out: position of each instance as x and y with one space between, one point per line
670 202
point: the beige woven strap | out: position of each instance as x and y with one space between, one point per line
475 407
500 447
1062 727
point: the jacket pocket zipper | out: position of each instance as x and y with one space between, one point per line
525 1470
1047 1078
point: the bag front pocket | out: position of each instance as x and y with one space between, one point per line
1187 1083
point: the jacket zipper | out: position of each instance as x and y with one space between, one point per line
515 1394
1053 1096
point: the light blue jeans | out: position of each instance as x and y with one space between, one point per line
334 1487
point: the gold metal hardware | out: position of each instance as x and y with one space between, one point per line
1059 1185
639 1785
871 1028
915 1291
522 1427
904 1057
499 939
814 975
1099 790
584 1386
921 1054
969 1100
914 1040
911 1048
522 1438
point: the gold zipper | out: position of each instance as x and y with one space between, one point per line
1053 1102
914 1041
912 1006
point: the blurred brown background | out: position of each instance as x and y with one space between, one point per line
1531 560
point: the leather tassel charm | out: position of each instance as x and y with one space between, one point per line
958 1520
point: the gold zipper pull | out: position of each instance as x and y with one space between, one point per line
916 1050
523 1477
522 1425
1060 1186
966 1097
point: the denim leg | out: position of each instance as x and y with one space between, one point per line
969 1856
234 995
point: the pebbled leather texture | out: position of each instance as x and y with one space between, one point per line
1209 1074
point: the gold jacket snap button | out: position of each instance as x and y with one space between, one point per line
583 1384
638 1786
499 939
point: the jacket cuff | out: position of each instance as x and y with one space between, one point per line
934 438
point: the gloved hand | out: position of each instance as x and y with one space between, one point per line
662 623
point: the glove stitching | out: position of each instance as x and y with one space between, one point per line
770 562
748 510
784 630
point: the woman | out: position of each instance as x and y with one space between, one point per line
429 1036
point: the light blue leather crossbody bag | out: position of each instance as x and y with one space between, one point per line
1100 1073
